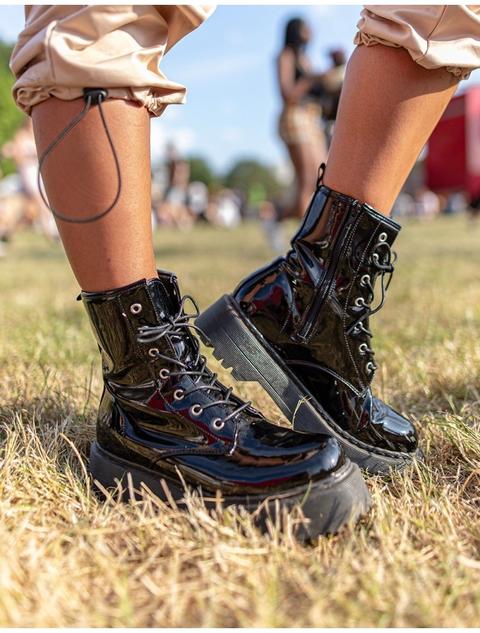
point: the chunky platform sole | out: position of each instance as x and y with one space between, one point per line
328 505
237 344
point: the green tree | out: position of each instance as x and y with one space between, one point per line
255 179
201 171
10 116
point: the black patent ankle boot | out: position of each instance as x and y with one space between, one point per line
165 416
300 327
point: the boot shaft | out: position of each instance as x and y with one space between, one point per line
117 318
300 327
316 301
336 250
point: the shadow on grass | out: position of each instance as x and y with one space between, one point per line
50 425
452 396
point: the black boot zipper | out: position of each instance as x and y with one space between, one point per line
306 328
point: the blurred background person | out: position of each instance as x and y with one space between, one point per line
21 149
427 203
15 210
197 200
404 206
473 209
300 125
224 209
332 81
173 210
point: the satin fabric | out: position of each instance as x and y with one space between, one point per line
66 48
435 36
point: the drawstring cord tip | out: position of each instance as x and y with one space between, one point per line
91 96
321 173
95 95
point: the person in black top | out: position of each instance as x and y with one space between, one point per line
300 125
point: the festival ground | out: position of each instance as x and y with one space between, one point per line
70 559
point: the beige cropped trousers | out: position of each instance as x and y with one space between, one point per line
66 48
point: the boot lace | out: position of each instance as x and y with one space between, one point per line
203 378
381 262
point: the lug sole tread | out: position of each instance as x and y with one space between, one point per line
238 348
328 505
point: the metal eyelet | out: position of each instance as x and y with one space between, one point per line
382 237
371 367
196 410
136 308
153 352
218 424
362 348
365 280
164 373
178 394
360 302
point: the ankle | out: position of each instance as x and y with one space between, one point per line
361 191
99 287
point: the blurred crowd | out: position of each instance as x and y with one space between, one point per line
309 103
21 204
425 204
178 201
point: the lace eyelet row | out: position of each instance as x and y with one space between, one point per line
195 410
359 302
365 279
178 394
136 308
149 334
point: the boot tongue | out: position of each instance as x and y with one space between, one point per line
165 294
167 301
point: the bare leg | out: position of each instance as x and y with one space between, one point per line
388 109
80 180
305 165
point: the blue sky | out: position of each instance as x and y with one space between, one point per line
228 66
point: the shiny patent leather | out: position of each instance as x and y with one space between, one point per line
313 306
147 416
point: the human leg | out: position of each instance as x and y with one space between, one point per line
303 320
81 180
401 104
302 156
163 415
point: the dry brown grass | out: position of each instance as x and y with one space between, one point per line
69 559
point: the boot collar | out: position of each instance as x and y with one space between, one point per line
322 201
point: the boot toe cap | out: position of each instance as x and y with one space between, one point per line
398 432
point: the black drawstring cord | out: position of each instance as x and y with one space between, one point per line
91 96
321 173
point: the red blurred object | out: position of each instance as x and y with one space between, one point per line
453 159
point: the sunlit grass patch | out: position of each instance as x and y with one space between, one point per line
71 558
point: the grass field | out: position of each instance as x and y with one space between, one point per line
69 559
